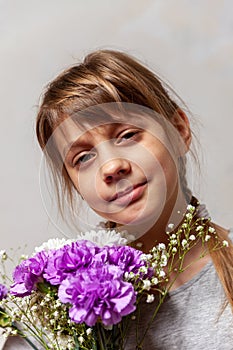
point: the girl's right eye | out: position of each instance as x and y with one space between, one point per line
84 158
127 136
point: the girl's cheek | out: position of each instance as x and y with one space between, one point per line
87 184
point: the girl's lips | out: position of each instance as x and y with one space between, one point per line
129 195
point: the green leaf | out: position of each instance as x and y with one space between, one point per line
43 287
5 319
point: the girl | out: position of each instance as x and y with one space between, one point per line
113 134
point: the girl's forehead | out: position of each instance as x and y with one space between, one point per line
104 123
104 118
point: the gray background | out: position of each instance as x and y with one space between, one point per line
190 43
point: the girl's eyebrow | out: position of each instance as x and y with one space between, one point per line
72 145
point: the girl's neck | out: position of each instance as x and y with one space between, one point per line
173 214
194 260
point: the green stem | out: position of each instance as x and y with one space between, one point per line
139 345
99 336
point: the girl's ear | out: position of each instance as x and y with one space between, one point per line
181 123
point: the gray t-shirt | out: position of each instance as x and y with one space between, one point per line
190 318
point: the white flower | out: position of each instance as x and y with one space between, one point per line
81 339
143 257
146 257
173 241
161 246
189 216
53 243
58 303
207 237
56 314
170 226
192 238
150 298
184 243
174 250
162 273
146 285
89 331
103 237
190 208
163 260
142 269
155 280
149 256
199 228
225 243
211 229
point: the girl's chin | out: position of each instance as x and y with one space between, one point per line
143 211
142 217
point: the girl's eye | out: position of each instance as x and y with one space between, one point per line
127 136
84 158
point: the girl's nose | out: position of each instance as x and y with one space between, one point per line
115 169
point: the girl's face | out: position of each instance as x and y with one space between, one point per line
125 173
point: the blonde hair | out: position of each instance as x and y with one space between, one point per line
111 76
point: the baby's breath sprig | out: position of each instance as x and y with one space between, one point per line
168 260
45 318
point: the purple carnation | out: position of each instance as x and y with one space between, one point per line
98 292
28 273
126 258
70 258
3 291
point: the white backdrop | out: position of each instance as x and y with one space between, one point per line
190 43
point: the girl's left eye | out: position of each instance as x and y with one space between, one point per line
127 136
83 158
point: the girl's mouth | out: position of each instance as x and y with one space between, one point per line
129 195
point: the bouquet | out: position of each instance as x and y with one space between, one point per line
87 293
